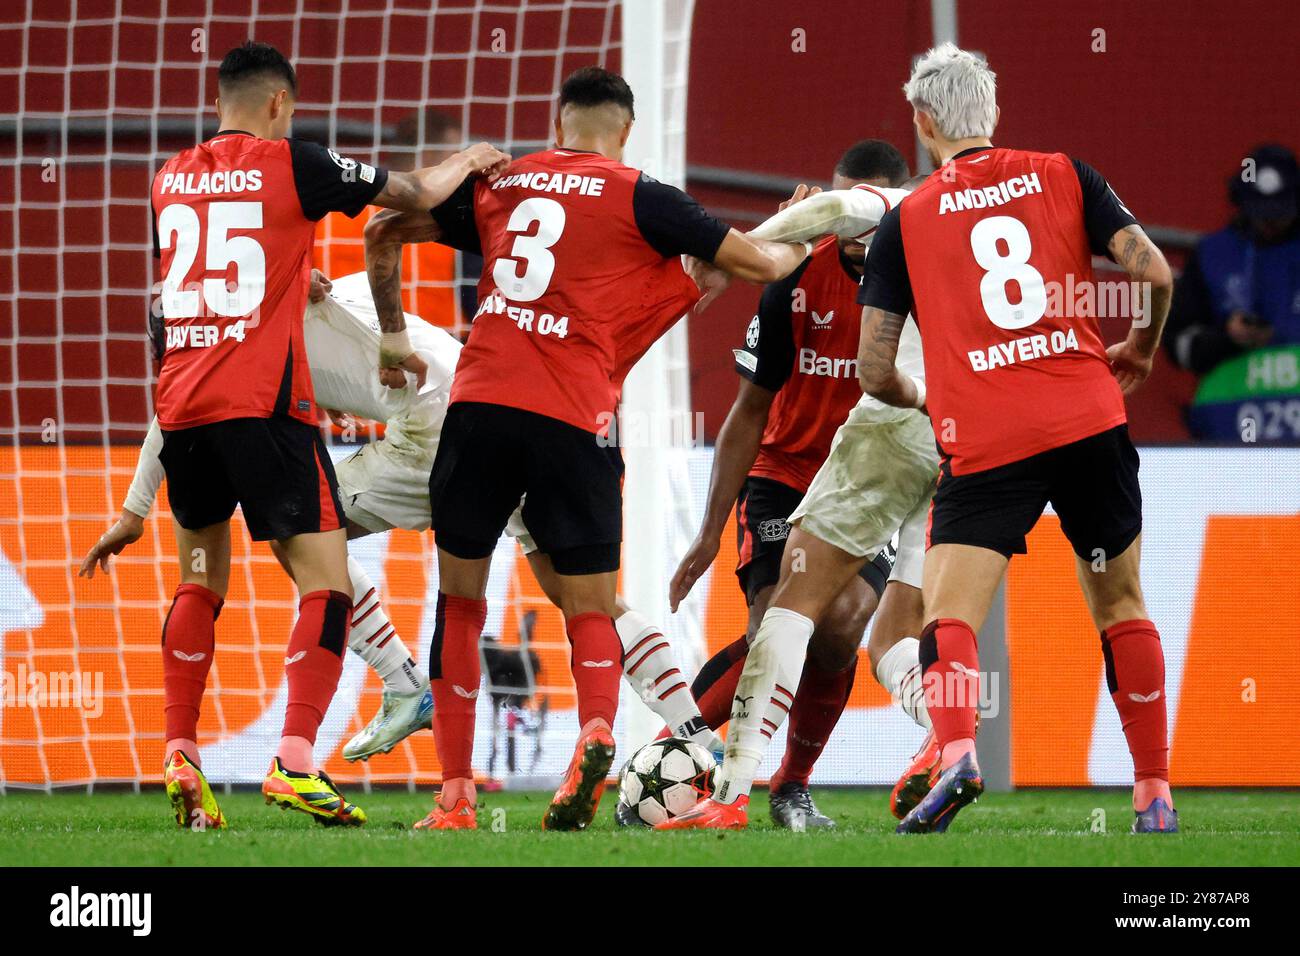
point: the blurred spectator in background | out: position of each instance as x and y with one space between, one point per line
428 269
1240 288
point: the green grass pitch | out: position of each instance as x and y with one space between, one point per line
1030 828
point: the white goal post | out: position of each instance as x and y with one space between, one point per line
658 424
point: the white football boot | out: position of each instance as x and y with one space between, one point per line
399 716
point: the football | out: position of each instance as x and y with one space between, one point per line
663 779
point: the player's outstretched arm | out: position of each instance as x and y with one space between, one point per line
734 454
847 213
759 260
139 502
808 214
421 190
1142 259
877 351
385 235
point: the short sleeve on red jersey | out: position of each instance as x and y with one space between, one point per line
885 282
767 358
673 223
328 182
455 217
1103 213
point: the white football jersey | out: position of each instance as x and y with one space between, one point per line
342 336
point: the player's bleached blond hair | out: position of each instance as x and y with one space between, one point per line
957 89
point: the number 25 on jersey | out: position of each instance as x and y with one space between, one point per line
180 228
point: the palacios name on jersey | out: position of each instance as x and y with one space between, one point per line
211 183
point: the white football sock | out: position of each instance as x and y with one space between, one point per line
651 669
899 672
374 639
763 698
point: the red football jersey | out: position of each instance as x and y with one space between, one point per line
992 248
803 344
581 275
235 221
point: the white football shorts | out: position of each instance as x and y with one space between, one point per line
876 483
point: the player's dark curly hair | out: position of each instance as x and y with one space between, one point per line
873 159
253 60
595 86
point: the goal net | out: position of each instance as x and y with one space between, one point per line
94 96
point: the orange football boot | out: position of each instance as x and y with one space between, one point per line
461 816
711 815
917 779
574 805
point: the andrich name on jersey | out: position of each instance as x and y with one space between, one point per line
562 183
810 363
527 319
987 196
219 181
1022 350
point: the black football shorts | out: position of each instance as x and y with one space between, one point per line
275 469
1092 485
490 456
762 528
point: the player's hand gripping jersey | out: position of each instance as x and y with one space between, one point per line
235 221
986 254
342 333
581 274
384 484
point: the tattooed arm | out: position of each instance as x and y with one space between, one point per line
1143 261
877 349
386 235
425 188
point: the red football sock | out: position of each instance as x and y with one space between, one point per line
189 635
1135 676
455 675
597 665
818 703
716 682
950 667
314 661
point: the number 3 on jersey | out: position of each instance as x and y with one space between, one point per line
1001 269
532 251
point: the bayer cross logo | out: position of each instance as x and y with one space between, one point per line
751 334
773 529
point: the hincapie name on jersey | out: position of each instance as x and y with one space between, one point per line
213 183
988 196
546 182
